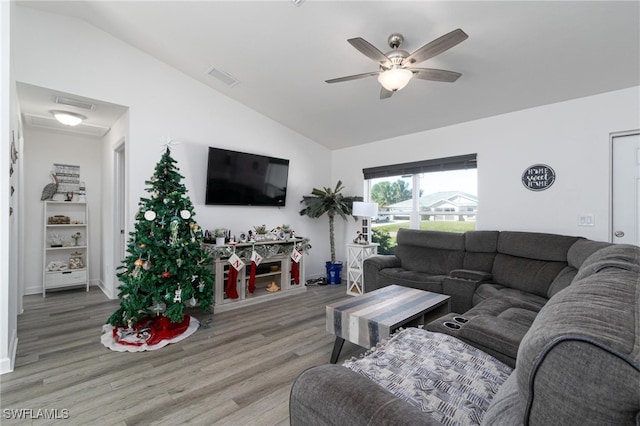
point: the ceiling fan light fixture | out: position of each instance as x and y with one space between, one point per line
68 118
395 78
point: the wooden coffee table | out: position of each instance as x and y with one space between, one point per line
370 318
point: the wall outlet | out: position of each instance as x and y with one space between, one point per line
586 220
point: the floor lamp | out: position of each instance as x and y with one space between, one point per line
365 211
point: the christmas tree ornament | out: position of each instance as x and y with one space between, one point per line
192 302
201 287
136 270
146 265
185 214
150 215
177 297
143 245
158 308
174 227
179 262
165 274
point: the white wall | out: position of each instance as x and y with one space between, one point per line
42 148
572 137
164 102
9 246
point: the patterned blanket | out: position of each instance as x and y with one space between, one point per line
441 375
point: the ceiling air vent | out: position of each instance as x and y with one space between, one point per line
224 77
74 102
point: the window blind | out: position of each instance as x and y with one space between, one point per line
459 162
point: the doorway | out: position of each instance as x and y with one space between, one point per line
625 188
119 196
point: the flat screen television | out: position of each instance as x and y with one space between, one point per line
242 179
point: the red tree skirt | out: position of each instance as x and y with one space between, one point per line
148 334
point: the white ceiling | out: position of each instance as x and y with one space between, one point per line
519 55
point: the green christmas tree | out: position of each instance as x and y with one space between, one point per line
166 268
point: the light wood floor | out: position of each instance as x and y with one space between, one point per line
237 369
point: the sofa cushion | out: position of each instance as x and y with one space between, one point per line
526 274
432 252
490 291
533 245
451 381
480 250
581 356
413 279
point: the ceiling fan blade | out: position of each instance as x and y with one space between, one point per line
435 75
369 50
384 93
436 47
352 77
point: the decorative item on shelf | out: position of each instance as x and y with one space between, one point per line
359 239
365 211
57 265
219 234
76 260
265 249
76 237
55 240
331 202
273 287
68 196
50 189
59 220
286 229
261 232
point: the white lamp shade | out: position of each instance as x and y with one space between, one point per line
68 118
362 209
395 78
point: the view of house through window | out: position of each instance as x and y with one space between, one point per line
434 200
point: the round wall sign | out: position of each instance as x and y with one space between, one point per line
538 177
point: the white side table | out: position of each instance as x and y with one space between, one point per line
356 254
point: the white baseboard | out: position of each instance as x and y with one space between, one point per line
6 364
107 292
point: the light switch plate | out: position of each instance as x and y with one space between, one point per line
586 220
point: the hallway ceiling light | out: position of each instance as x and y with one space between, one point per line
68 118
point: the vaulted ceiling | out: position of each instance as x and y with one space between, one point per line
518 55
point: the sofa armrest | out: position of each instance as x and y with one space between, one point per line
373 265
336 395
468 274
381 261
461 284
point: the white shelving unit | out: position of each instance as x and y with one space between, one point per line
356 254
65 264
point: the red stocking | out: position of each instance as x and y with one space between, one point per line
232 281
252 278
295 272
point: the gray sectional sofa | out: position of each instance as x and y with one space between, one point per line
498 280
553 320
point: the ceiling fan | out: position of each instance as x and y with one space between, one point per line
397 65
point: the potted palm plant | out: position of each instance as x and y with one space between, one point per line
332 202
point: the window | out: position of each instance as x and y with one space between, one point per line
439 194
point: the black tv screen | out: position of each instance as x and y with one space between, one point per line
242 179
